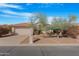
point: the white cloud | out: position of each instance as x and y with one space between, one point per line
10 6
5 15
9 12
27 14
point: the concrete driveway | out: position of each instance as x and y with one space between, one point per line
13 40
20 38
39 51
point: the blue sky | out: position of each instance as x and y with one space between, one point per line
12 13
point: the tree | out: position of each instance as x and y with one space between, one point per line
42 20
72 18
59 23
72 22
33 20
38 21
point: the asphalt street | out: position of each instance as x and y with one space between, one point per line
39 50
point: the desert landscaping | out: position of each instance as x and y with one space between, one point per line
22 38
59 31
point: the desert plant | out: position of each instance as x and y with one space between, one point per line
5 29
42 21
59 23
72 18
38 21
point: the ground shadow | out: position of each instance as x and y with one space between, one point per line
8 35
54 36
